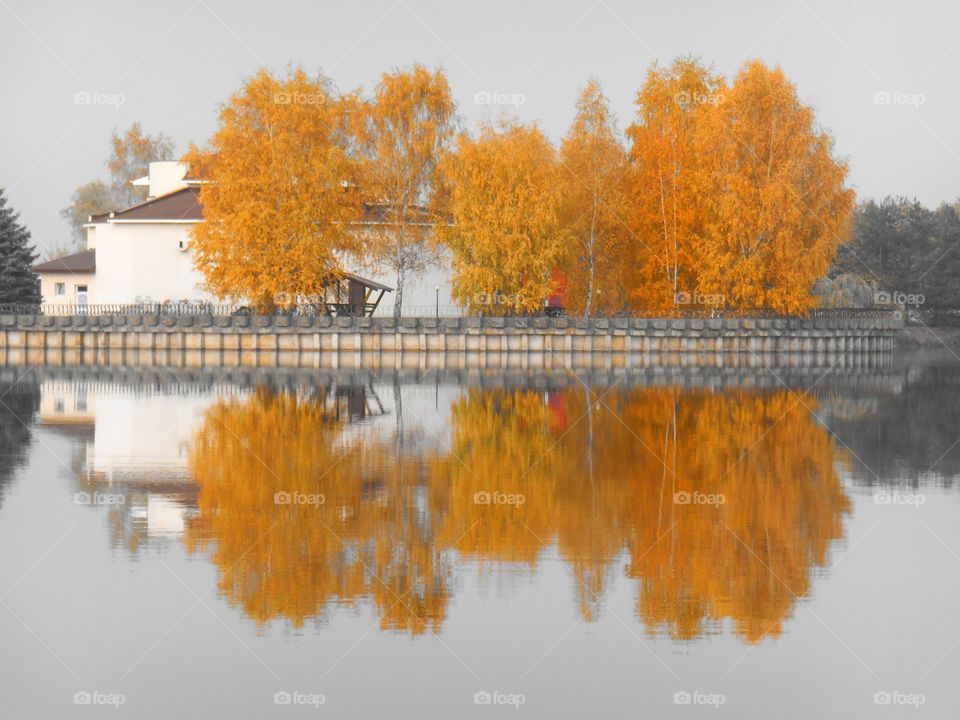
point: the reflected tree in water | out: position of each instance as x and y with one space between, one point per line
903 433
618 485
19 403
302 514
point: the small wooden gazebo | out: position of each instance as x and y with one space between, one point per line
354 295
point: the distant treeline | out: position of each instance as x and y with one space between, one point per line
900 252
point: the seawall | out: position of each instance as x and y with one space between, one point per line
81 339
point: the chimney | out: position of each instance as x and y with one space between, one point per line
166 176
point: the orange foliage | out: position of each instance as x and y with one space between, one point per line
739 201
402 134
668 209
275 206
506 237
594 206
598 480
773 196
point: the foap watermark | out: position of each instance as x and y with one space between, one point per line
495 298
299 98
886 97
484 697
295 697
686 99
95 697
95 97
698 498
897 697
283 497
485 497
698 299
98 498
899 299
899 498
496 97
697 697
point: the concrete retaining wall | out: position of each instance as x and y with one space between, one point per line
87 338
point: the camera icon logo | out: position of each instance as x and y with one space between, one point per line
681 498
882 698
82 498
282 697
682 697
282 498
482 497
82 698
482 697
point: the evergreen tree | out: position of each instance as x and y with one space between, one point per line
19 284
898 245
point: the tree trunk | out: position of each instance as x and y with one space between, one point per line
401 272
591 265
398 297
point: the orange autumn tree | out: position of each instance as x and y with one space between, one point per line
275 206
506 239
594 206
402 134
773 196
667 209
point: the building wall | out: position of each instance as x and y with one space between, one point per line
145 262
421 294
66 402
48 282
140 431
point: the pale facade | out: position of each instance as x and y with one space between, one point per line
67 288
143 254
146 261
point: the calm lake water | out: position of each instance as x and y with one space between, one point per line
757 543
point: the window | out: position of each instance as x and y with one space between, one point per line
60 289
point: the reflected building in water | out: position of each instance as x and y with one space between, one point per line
131 453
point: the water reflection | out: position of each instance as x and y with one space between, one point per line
19 401
905 433
303 514
718 507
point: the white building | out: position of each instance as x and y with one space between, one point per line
142 254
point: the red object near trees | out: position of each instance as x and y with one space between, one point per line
557 298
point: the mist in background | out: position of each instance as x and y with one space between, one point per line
881 75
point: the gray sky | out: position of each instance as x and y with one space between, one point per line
174 62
